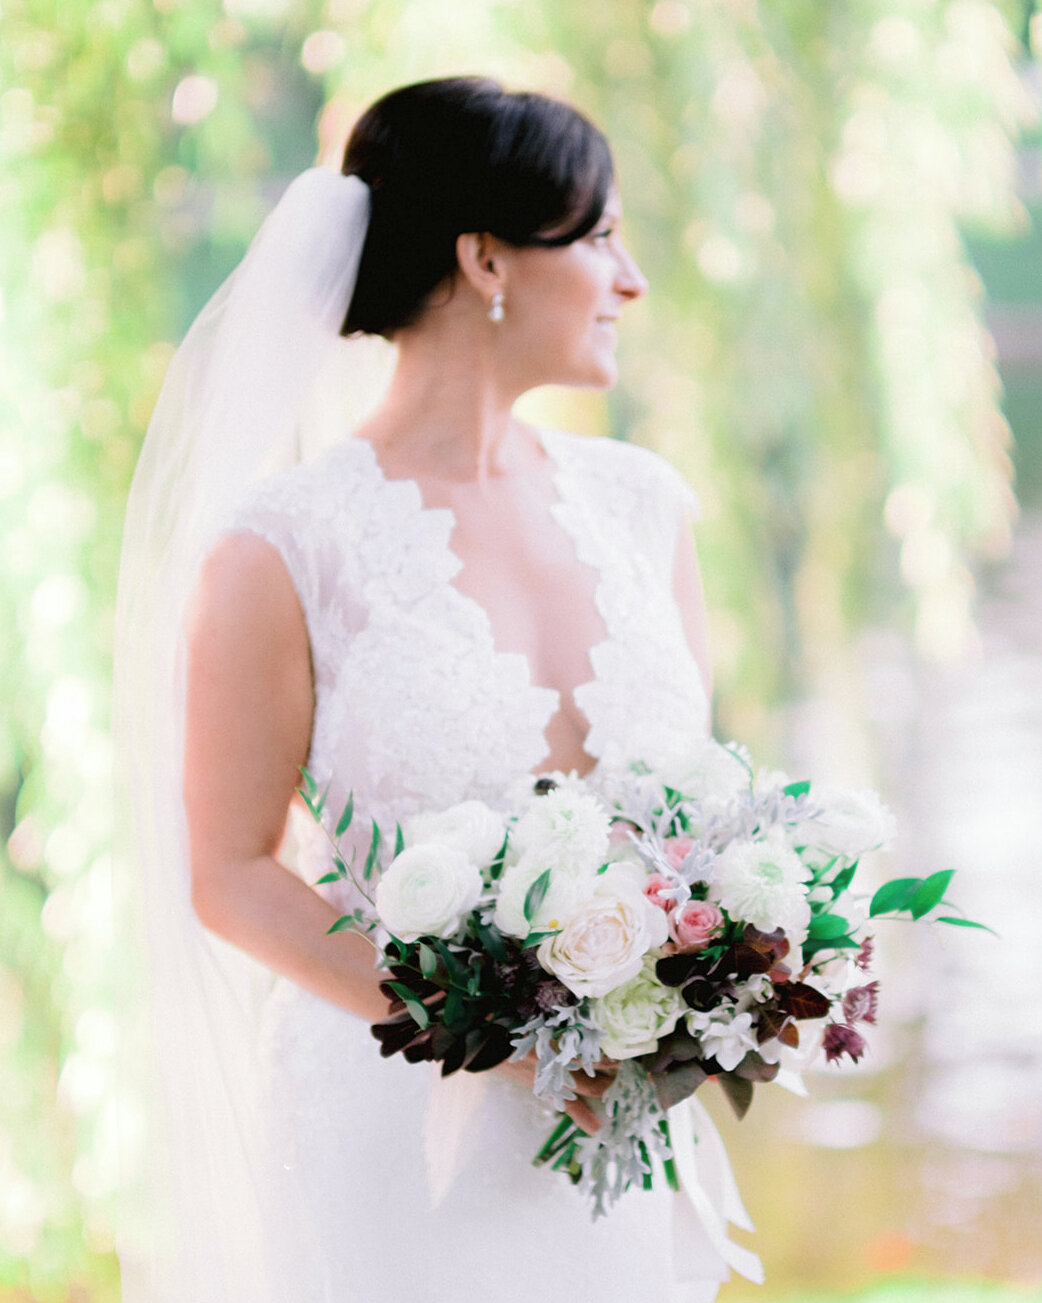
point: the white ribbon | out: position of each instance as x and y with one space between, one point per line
708 1200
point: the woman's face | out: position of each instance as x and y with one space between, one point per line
562 306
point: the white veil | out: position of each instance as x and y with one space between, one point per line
229 411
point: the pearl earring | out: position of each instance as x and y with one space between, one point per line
495 312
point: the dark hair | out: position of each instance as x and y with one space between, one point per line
463 154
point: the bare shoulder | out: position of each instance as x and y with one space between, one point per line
245 591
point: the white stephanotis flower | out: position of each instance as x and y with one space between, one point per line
724 1033
848 824
471 827
604 943
762 883
634 1015
426 891
568 827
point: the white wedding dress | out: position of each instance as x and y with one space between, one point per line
404 1187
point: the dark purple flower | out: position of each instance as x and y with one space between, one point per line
863 958
861 1003
553 995
841 1039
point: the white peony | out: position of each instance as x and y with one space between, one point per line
471 827
568 826
709 773
849 824
762 883
426 891
569 887
633 1016
603 944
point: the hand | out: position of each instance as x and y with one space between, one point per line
578 1110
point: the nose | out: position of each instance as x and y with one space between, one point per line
630 282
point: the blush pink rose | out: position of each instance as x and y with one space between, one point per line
676 849
694 924
654 886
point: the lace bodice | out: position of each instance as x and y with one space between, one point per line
416 708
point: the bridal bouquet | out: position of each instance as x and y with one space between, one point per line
688 925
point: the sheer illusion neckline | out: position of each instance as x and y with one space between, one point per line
563 511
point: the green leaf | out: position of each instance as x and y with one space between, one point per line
537 938
894 895
428 960
399 840
327 877
310 786
797 789
321 804
347 814
496 867
965 922
491 940
417 1010
842 881
826 927
343 924
536 894
931 893
341 867
373 858
811 948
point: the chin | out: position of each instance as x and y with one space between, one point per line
601 374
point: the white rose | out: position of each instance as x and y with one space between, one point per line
603 944
426 891
849 824
635 1015
569 887
471 827
762 883
568 826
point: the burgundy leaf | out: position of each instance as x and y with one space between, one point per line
803 1001
739 1092
678 1083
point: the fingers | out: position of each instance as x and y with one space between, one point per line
583 1116
592 1086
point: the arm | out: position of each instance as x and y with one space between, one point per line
248 720
249 711
690 597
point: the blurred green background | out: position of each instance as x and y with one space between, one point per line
832 202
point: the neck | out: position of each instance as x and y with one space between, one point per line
448 413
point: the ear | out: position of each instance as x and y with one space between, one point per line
482 261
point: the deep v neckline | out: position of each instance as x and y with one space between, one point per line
567 510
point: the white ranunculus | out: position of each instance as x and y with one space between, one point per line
762 883
849 824
471 827
709 773
568 827
633 1016
569 887
603 944
426 891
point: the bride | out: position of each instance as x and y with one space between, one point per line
437 605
